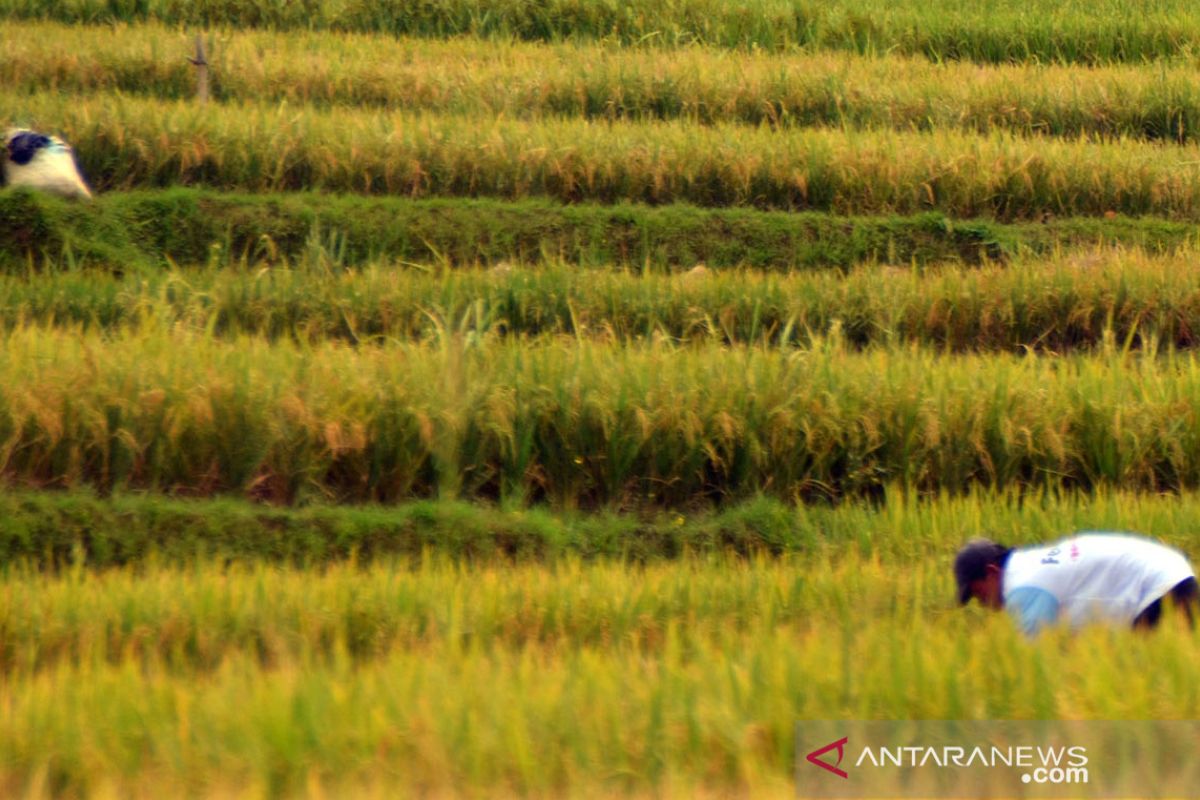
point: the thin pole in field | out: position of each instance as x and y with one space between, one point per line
201 64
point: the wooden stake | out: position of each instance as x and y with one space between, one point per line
201 64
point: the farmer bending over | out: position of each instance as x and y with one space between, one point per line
1090 577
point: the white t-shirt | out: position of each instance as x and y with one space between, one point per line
1090 577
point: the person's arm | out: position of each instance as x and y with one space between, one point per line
1033 608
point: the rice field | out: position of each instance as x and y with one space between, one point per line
994 31
518 680
597 81
582 423
126 142
566 398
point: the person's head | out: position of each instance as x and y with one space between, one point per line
979 570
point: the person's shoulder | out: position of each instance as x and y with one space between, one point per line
1110 535
1122 540
1134 549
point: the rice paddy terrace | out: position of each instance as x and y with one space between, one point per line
565 398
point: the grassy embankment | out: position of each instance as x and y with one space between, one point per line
128 231
59 531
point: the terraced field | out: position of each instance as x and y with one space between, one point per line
566 398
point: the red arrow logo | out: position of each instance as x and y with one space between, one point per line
814 757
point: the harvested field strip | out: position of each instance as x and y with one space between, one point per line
579 422
995 31
526 80
125 142
1072 302
189 227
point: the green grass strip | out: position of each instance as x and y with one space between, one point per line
53 530
199 227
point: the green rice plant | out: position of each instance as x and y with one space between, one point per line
994 31
124 142
653 424
145 231
522 80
